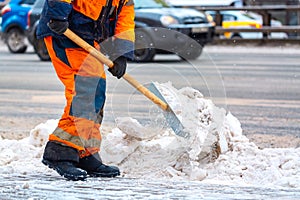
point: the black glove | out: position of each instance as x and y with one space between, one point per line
58 26
119 67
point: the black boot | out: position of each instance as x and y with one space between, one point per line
63 160
94 167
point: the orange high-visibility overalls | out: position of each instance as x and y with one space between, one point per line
84 78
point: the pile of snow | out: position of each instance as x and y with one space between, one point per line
164 154
24 156
216 151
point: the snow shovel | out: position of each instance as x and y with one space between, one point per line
155 96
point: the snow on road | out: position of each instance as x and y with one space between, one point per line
162 165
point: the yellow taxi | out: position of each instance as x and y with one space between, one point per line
242 19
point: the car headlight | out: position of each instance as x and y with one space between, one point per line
167 20
210 19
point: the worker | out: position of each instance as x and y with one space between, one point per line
73 148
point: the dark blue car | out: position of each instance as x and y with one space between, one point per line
160 29
14 23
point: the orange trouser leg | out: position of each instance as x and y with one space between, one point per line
85 82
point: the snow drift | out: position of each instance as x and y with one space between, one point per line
217 151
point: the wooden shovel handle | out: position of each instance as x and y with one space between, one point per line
102 58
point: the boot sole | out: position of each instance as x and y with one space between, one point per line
67 176
104 175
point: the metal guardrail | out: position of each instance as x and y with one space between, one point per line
257 42
265 11
265 29
252 8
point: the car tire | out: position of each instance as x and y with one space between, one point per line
41 50
143 52
15 40
191 51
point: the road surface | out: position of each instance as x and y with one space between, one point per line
260 86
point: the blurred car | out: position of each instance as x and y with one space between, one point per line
149 40
165 29
0 25
3 3
274 23
13 25
242 19
33 20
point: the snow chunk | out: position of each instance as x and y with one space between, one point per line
133 128
39 135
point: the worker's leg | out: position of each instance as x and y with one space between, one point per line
84 80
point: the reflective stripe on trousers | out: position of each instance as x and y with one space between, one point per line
85 82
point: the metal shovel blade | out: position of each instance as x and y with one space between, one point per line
169 114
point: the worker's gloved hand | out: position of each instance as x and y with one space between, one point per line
119 67
58 26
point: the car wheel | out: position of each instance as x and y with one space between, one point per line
143 52
41 50
15 41
191 51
